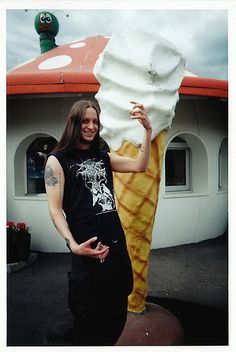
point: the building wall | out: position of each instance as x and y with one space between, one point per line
202 212
182 217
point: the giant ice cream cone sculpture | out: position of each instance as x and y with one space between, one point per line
140 66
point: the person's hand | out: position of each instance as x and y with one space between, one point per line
138 112
85 249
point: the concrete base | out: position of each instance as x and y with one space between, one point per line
13 267
154 327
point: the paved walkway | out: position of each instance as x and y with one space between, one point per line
194 273
189 280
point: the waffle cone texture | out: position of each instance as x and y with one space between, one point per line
137 197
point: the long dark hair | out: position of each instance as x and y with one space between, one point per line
72 132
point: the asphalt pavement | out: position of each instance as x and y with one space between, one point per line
191 281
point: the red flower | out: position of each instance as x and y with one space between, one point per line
21 225
10 224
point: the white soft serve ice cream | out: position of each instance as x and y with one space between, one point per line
140 66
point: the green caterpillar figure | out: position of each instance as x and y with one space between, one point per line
47 26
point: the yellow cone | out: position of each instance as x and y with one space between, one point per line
137 196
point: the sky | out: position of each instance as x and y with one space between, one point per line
200 34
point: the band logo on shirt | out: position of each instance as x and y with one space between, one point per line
95 179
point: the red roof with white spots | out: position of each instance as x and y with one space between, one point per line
69 69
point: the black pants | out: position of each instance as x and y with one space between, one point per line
98 296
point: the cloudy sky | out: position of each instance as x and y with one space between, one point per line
200 34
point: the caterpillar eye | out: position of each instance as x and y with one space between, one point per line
42 18
48 18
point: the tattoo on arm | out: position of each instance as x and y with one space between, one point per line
50 178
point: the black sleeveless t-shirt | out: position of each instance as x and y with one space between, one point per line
89 202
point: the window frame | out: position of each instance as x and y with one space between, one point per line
222 179
26 181
187 187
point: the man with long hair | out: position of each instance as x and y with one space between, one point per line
79 186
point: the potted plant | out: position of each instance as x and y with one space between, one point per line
18 242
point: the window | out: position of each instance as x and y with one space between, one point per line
177 166
36 156
223 166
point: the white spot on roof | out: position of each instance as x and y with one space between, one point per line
77 45
55 62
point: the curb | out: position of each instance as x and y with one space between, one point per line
13 267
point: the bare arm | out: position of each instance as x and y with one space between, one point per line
54 183
126 164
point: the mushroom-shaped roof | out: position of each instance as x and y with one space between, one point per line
69 69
